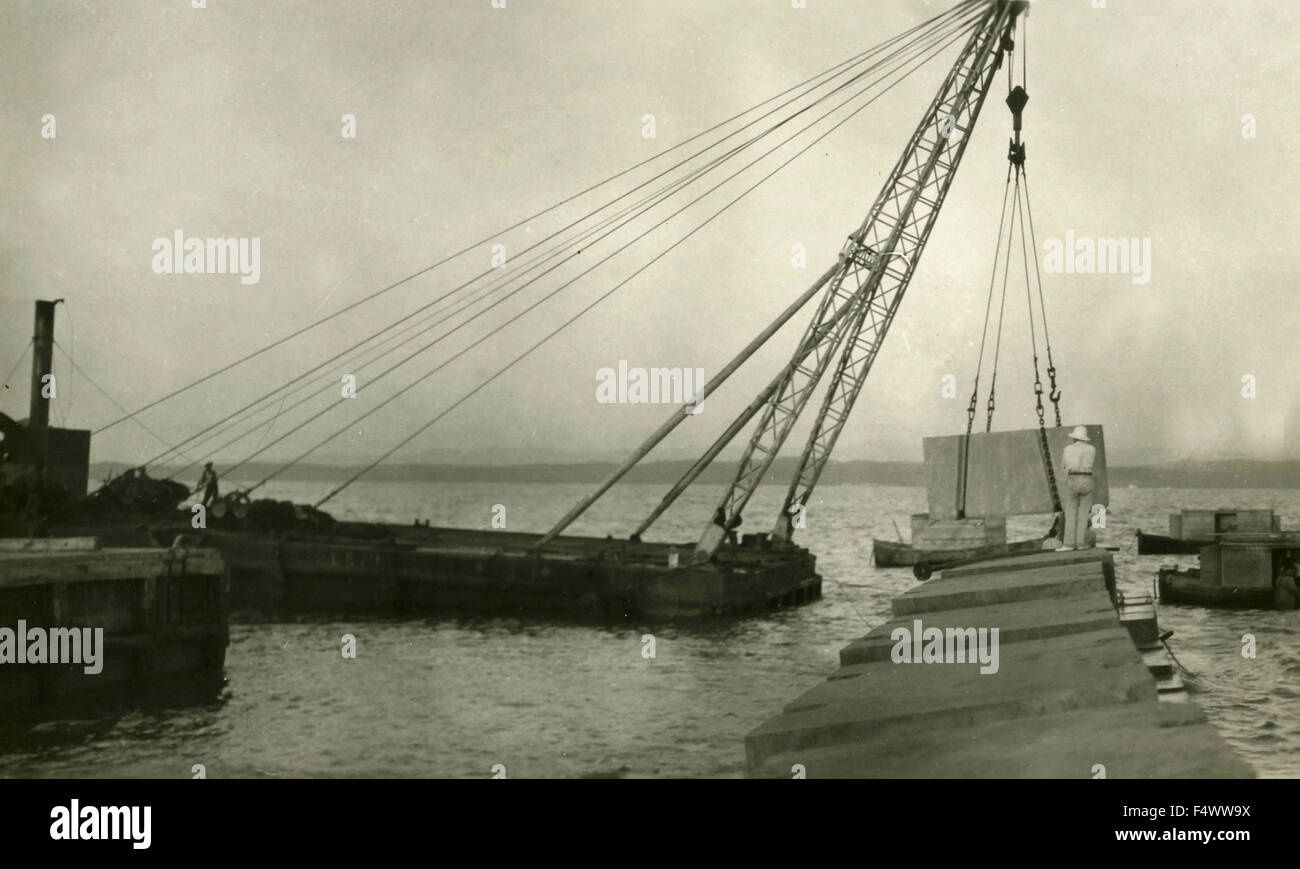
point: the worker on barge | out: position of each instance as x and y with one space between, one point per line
208 485
1077 461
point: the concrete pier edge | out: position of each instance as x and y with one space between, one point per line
1077 692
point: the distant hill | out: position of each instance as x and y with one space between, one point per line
1228 474
885 473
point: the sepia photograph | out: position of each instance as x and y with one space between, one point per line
648 389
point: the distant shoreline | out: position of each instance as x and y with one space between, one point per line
1228 474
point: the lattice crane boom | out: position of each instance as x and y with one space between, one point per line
876 265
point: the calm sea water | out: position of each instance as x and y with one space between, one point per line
454 697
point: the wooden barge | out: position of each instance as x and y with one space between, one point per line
361 567
1239 570
286 558
434 570
161 617
1189 530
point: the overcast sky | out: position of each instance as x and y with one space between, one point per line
226 121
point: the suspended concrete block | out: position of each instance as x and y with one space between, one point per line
1004 472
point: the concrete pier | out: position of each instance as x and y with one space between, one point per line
161 614
1075 693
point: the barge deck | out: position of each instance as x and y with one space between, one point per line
362 567
433 570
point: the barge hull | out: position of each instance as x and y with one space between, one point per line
1159 544
888 553
364 567
1188 587
450 570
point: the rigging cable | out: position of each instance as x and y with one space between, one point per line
1029 298
1049 468
428 326
81 371
673 168
1002 306
988 306
610 292
19 361
392 286
963 458
568 283
1054 392
1017 99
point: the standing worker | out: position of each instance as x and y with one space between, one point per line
208 485
1076 460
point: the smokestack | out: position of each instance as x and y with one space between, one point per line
42 362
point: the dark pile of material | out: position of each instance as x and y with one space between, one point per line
135 492
266 515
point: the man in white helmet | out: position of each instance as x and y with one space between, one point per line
1076 461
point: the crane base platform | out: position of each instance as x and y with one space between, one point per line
368 567
433 570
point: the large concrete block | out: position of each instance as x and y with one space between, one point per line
1004 472
1016 622
947 534
864 702
1133 740
991 589
1032 561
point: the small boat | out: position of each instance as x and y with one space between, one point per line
1190 530
1162 544
940 543
1239 570
1188 586
893 553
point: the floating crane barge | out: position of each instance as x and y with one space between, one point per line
452 569
375 568
311 562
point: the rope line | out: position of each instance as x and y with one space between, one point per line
1029 290
82 372
681 182
400 282
988 305
19 361
608 293
1055 393
1002 306
571 281
659 196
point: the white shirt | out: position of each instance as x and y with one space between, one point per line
1078 457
